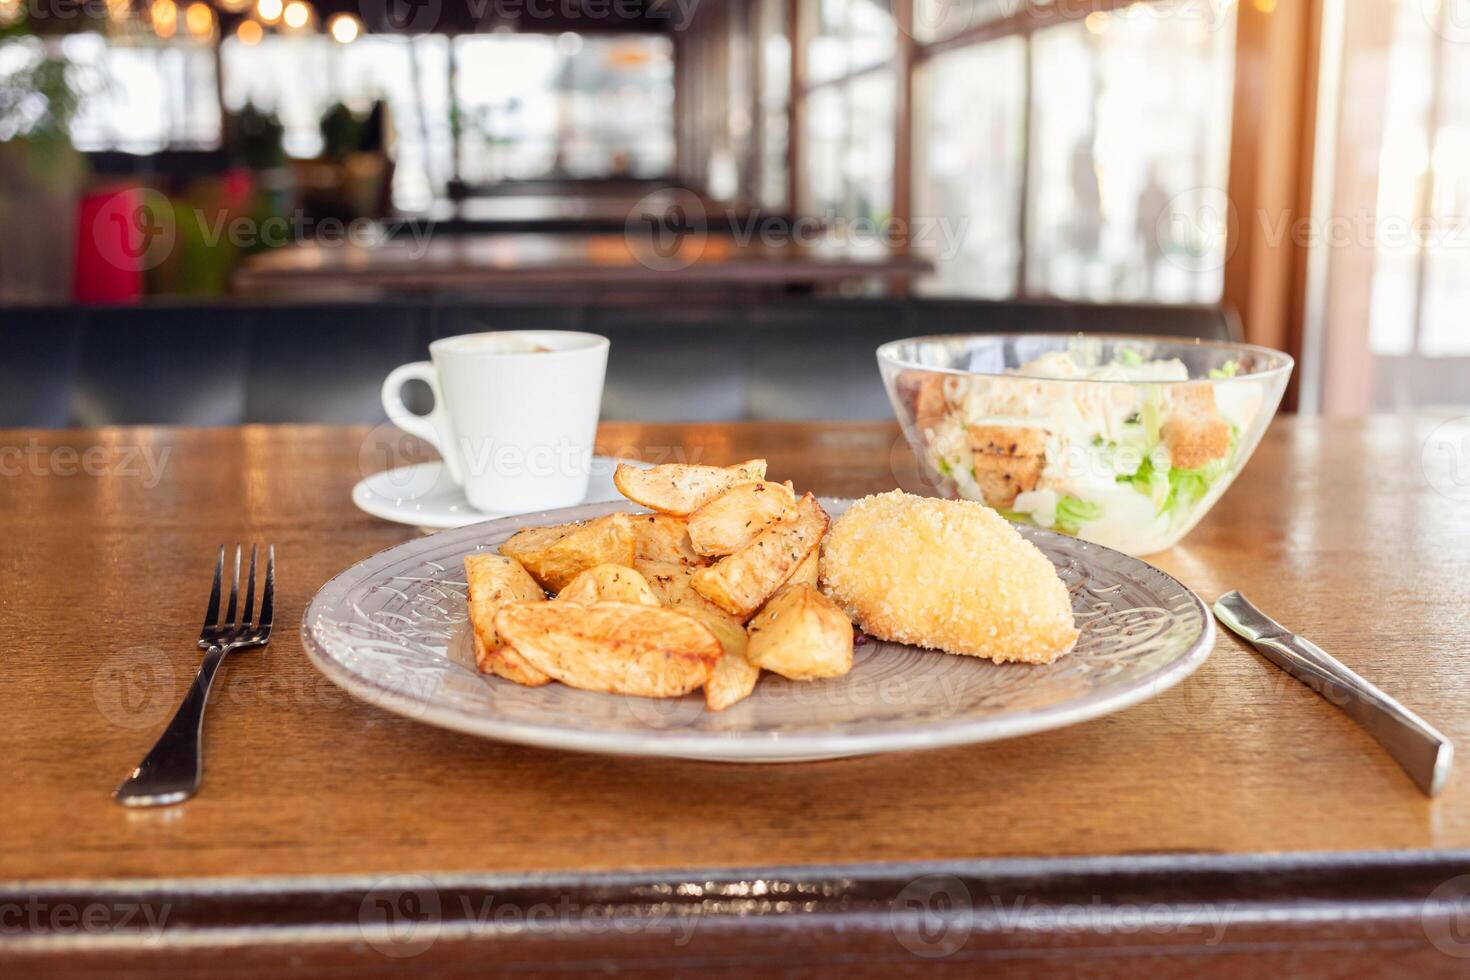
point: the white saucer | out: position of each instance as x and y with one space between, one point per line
424 496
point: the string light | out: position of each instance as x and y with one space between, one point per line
296 15
268 10
232 6
164 15
249 32
199 19
344 28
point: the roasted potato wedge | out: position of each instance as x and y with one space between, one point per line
609 583
555 555
808 572
676 488
734 676
617 647
663 537
801 634
741 583
495 580
668 579
732 520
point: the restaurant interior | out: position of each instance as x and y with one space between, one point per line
339 183
281 272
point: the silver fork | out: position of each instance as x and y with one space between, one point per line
171 771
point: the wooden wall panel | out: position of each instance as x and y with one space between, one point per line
1270 166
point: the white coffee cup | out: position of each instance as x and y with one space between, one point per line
515 414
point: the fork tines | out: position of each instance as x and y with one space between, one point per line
232 627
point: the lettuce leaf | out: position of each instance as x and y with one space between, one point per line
1151 414
1227 370
1153 482
1176 491
1072 512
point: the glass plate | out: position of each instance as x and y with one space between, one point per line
393 631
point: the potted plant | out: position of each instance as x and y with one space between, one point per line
353 166
41 173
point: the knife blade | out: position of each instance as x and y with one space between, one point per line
1424 753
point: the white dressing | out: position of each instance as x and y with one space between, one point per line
1107 475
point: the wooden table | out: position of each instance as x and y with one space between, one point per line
1235 823
606 266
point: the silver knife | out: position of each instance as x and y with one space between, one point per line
1415 745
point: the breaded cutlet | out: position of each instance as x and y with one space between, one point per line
950 575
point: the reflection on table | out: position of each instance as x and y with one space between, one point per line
653 264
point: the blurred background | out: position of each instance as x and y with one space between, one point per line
224 211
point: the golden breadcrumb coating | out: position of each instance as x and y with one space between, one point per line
951 575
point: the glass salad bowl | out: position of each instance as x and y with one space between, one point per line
1125 441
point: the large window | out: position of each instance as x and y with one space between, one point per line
1080 177
1421 283
969 162
846 37
1389 236
849 117
938 20
144 96
734 102
527 105
773 39
1124 170
538 105
299 78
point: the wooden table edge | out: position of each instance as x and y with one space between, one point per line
1380 902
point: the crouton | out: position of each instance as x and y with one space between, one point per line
1000 478
1195 433
929 402
1007 440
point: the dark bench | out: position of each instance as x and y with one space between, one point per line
226 364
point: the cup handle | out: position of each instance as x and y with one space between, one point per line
432 428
